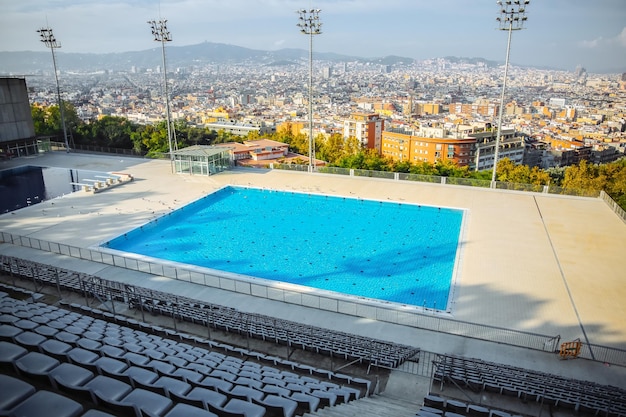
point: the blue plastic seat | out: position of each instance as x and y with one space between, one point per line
36 366
185 410
46 403
13 391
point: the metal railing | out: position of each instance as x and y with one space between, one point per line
426 319
436 179
613 205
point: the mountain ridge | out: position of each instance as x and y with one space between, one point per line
23 62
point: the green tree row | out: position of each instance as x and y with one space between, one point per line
119 132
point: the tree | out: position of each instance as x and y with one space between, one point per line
111 132
584 177
47 120
507 171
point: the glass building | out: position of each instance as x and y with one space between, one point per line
201 160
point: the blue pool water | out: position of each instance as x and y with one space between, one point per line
389 251
27 185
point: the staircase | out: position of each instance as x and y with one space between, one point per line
374 406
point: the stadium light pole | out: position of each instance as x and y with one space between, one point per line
310 24
48 39
161 34
512 17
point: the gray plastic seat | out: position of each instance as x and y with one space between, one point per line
107 387
112 351
207 396
133 358
82 357
96 413
13 391
162 368
88 344
55 348
120 408
327 399
46 330
186 410
9 353
46 403
173 385
238 408
8 318
66 337
148 401
25 324
30 340
141 375
36 365
188 375
8 332
308 403
254 383
71 374
274 403
215 383
243 392
110 365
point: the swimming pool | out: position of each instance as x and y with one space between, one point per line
391 251
26 185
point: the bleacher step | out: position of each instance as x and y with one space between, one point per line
374 406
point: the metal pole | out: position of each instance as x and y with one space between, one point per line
311 139
61 106
161 34
310 25
512 17
501 111
47 37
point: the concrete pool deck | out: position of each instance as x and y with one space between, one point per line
531 262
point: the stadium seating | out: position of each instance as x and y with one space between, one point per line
156 376
527 385
323 341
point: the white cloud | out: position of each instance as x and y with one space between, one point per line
591 44
621 38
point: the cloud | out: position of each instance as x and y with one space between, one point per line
591 44
279 43
620 40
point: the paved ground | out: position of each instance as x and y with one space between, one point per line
533 262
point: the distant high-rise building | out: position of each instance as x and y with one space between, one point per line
327 72
366 127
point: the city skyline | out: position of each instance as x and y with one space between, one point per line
559 33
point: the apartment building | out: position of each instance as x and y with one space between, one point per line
366 127
428 145
480 108
512 146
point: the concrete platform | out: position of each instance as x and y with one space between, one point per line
530 262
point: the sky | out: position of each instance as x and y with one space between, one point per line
559 33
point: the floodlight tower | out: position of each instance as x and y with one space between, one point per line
47 37
161 34
310 24
512 17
